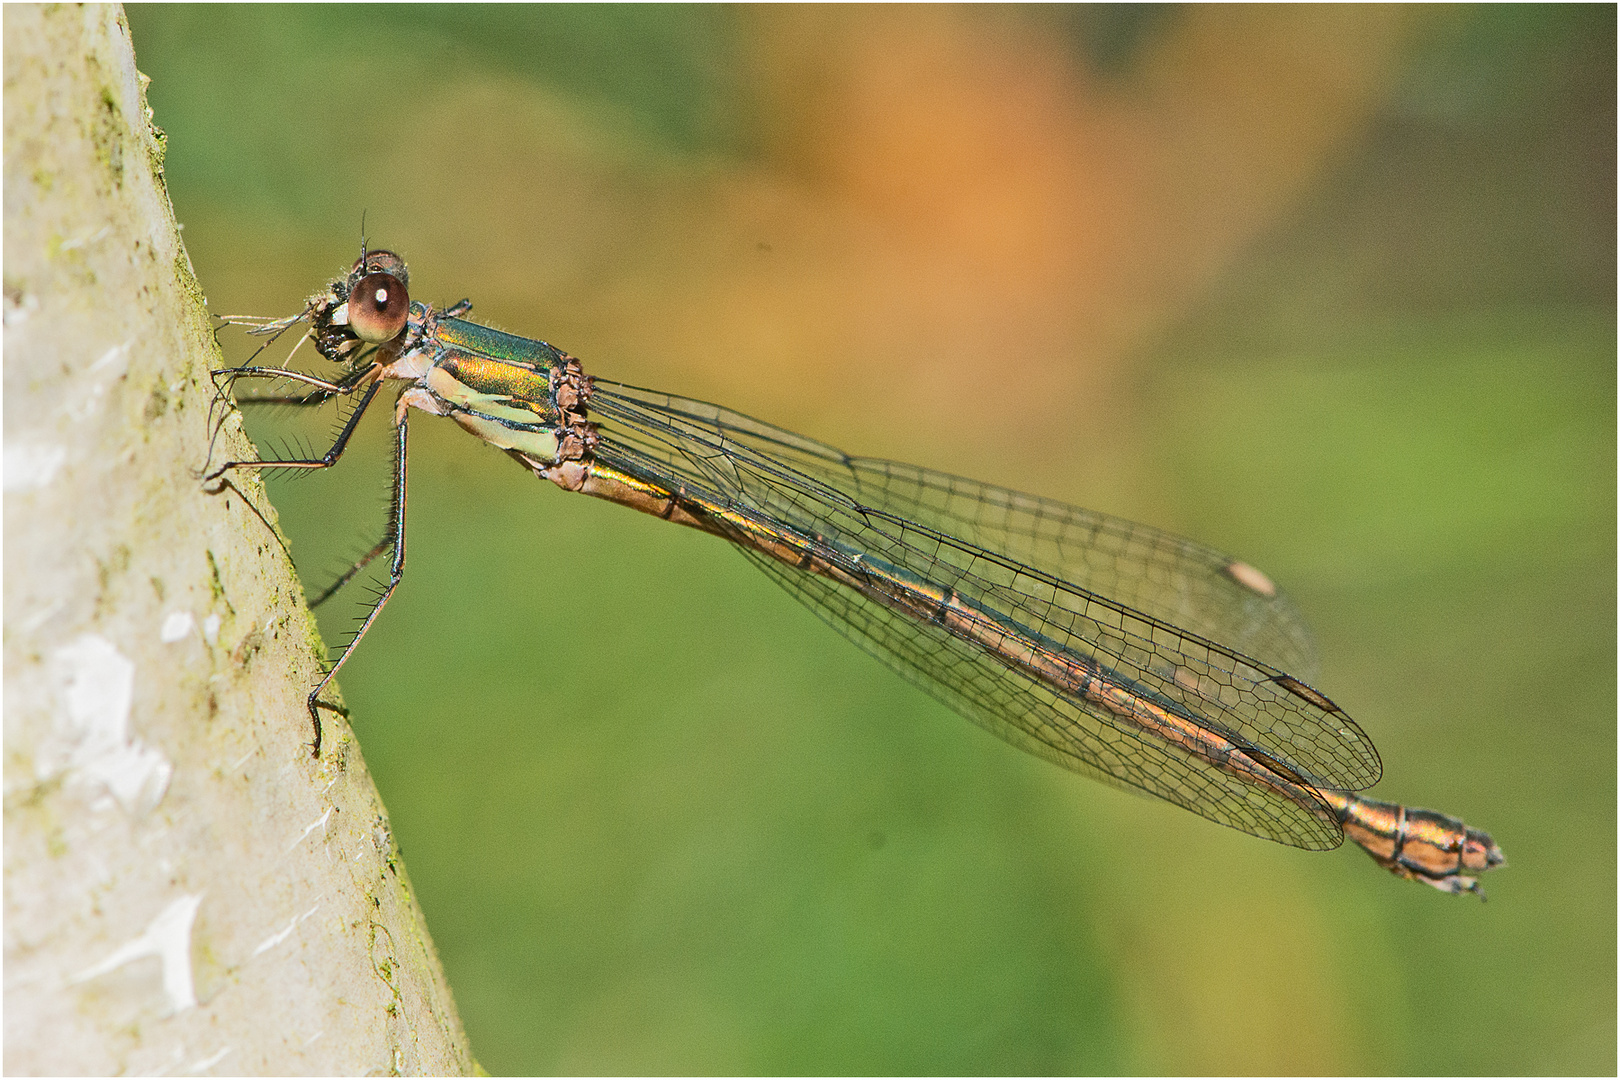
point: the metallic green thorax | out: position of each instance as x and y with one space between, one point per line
499 387
470 337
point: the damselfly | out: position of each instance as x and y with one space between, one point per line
1113 649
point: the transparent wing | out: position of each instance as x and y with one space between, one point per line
1054 726
1095 586
1159 574
1162 575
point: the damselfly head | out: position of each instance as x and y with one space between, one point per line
380 262
378 302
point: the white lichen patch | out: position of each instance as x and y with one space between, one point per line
167 937
30 466
89 738
176 625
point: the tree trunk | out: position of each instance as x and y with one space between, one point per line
186 888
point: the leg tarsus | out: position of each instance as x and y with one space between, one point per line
315 706
315 719
396 573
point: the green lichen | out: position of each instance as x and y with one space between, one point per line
107 137
216 584
193 302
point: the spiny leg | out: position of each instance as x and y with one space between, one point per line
394 538
348 575
326 460
324 391
274 328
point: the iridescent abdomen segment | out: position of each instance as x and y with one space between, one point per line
1420 845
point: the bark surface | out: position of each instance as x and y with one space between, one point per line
186 888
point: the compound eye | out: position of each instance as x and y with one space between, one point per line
378 307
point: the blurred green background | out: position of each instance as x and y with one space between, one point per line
1330 288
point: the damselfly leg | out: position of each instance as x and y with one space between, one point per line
365 382
319 397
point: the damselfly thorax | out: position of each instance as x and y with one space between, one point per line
1114 649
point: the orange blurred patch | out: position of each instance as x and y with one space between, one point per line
953 223
970 209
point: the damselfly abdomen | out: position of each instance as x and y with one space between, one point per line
1114 649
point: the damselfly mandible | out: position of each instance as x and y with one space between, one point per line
1113 649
